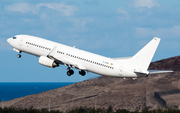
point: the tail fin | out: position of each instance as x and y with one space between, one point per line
142 59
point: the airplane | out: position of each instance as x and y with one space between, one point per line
52 54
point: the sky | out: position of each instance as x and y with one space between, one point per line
118 28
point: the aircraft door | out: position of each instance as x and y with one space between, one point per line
120 72
21 42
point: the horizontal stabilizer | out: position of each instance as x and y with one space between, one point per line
159 71
140 71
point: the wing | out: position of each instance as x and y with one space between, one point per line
64 60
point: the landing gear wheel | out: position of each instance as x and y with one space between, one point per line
19 55
82 72
70 72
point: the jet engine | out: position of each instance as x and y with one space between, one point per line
43 60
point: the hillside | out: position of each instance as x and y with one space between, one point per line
155 91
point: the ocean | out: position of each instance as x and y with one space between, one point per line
9 91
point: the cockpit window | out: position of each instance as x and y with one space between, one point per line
14 37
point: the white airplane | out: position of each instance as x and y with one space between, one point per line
51 54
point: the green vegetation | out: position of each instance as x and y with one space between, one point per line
30 110
84 110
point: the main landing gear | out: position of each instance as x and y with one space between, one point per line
82 72
71 72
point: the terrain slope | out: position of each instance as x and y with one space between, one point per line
154 91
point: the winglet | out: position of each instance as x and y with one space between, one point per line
64 60
53 51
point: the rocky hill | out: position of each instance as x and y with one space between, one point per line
155 91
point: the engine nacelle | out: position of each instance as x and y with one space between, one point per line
43 60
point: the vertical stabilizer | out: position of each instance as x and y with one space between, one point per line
142 59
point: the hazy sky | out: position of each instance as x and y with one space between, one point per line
112 28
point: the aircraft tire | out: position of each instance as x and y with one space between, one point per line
70 72
19 55
82 72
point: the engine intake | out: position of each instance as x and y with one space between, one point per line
43 60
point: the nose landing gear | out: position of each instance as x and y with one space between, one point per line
19 55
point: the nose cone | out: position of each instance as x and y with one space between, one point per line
8 40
